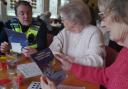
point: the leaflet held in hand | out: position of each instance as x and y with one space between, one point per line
43 58
17 40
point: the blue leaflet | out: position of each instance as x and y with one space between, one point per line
16 37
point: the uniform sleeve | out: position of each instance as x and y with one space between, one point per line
95 53
42 37
3 37
92 74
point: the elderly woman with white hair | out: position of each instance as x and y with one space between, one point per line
79 41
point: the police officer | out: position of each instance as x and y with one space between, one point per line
35 33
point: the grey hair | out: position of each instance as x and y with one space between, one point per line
76 10
118 7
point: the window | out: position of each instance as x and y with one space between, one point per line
63 2
53 7
37 6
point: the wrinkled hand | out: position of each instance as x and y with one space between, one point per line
27 51
46 83
65 60
4 47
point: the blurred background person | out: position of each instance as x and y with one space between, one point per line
46 18
4 2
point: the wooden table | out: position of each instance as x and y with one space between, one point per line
71 80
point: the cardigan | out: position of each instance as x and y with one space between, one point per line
87 47
112 77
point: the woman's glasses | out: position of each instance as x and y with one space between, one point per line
101 15
104 15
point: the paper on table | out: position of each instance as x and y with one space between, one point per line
29 70
16 47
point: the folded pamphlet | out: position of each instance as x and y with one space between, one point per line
45 59
17 40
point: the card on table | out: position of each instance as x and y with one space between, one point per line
34 85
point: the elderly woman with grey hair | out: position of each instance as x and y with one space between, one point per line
79 41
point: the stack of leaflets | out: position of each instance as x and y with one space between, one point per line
17 40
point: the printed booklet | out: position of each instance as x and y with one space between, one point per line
17 40
45 59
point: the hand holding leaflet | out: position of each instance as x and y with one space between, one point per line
17 40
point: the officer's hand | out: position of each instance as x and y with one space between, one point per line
4 48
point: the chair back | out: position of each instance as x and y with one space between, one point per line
111 56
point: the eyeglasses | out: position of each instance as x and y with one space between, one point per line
101 15
104 15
